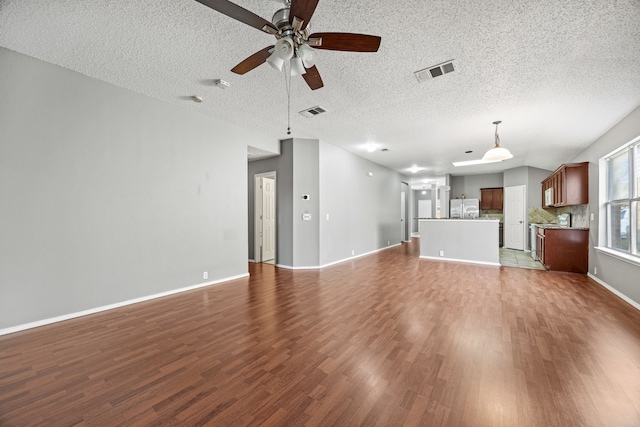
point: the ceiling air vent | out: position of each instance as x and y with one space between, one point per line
435 71
313 111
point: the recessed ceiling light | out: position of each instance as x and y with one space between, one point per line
474 162
371 147
196 98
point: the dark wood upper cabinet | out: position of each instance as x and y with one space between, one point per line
567 186
491 199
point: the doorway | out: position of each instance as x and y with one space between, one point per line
404 212
515 225
265 218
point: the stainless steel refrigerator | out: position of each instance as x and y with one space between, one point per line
465 208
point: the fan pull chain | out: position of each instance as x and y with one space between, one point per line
287 82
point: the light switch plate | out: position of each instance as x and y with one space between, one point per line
306 217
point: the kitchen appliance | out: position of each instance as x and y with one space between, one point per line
564 220
548 196
465 208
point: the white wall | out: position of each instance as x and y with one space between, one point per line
107 195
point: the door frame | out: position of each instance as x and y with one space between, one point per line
405 191
257 214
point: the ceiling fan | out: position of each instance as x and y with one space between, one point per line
295 43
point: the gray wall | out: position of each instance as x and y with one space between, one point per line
306 234
470 185
283 165
534 188
107 195
364 211
516 176
532 178
619 274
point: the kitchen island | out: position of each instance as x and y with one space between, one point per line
466 240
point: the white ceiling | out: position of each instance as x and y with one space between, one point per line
557 73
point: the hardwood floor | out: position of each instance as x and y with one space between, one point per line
388 339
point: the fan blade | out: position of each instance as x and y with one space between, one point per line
241 14
347 42
312 77
303 10
253 61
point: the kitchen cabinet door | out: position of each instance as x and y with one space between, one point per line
565 249
491 199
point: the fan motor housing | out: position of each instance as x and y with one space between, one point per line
281 19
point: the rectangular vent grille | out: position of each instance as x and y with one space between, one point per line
313 111
435 71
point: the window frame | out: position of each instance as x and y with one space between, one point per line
632 201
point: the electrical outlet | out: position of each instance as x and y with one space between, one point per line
441 253
353 251
205 275
593 216
388 242
327 217
595 271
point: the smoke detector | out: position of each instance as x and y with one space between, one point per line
435 71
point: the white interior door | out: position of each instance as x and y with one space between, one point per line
424 208
514 217
268 219
403 210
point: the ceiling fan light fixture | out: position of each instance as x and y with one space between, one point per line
296 66
284 48
308 55
275 61
497 153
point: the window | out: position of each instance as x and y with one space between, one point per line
622 200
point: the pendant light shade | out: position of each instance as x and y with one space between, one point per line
497 153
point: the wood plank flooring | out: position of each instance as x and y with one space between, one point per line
388 339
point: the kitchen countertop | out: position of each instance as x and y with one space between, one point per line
460 219
559 227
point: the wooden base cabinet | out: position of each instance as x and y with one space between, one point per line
563 249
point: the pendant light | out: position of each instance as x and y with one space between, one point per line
497 153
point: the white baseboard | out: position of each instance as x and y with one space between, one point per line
316 267
614 291
496 264
415 234
252 260
56 319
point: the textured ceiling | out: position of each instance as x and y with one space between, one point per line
557 73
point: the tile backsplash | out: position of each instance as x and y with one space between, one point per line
579 215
